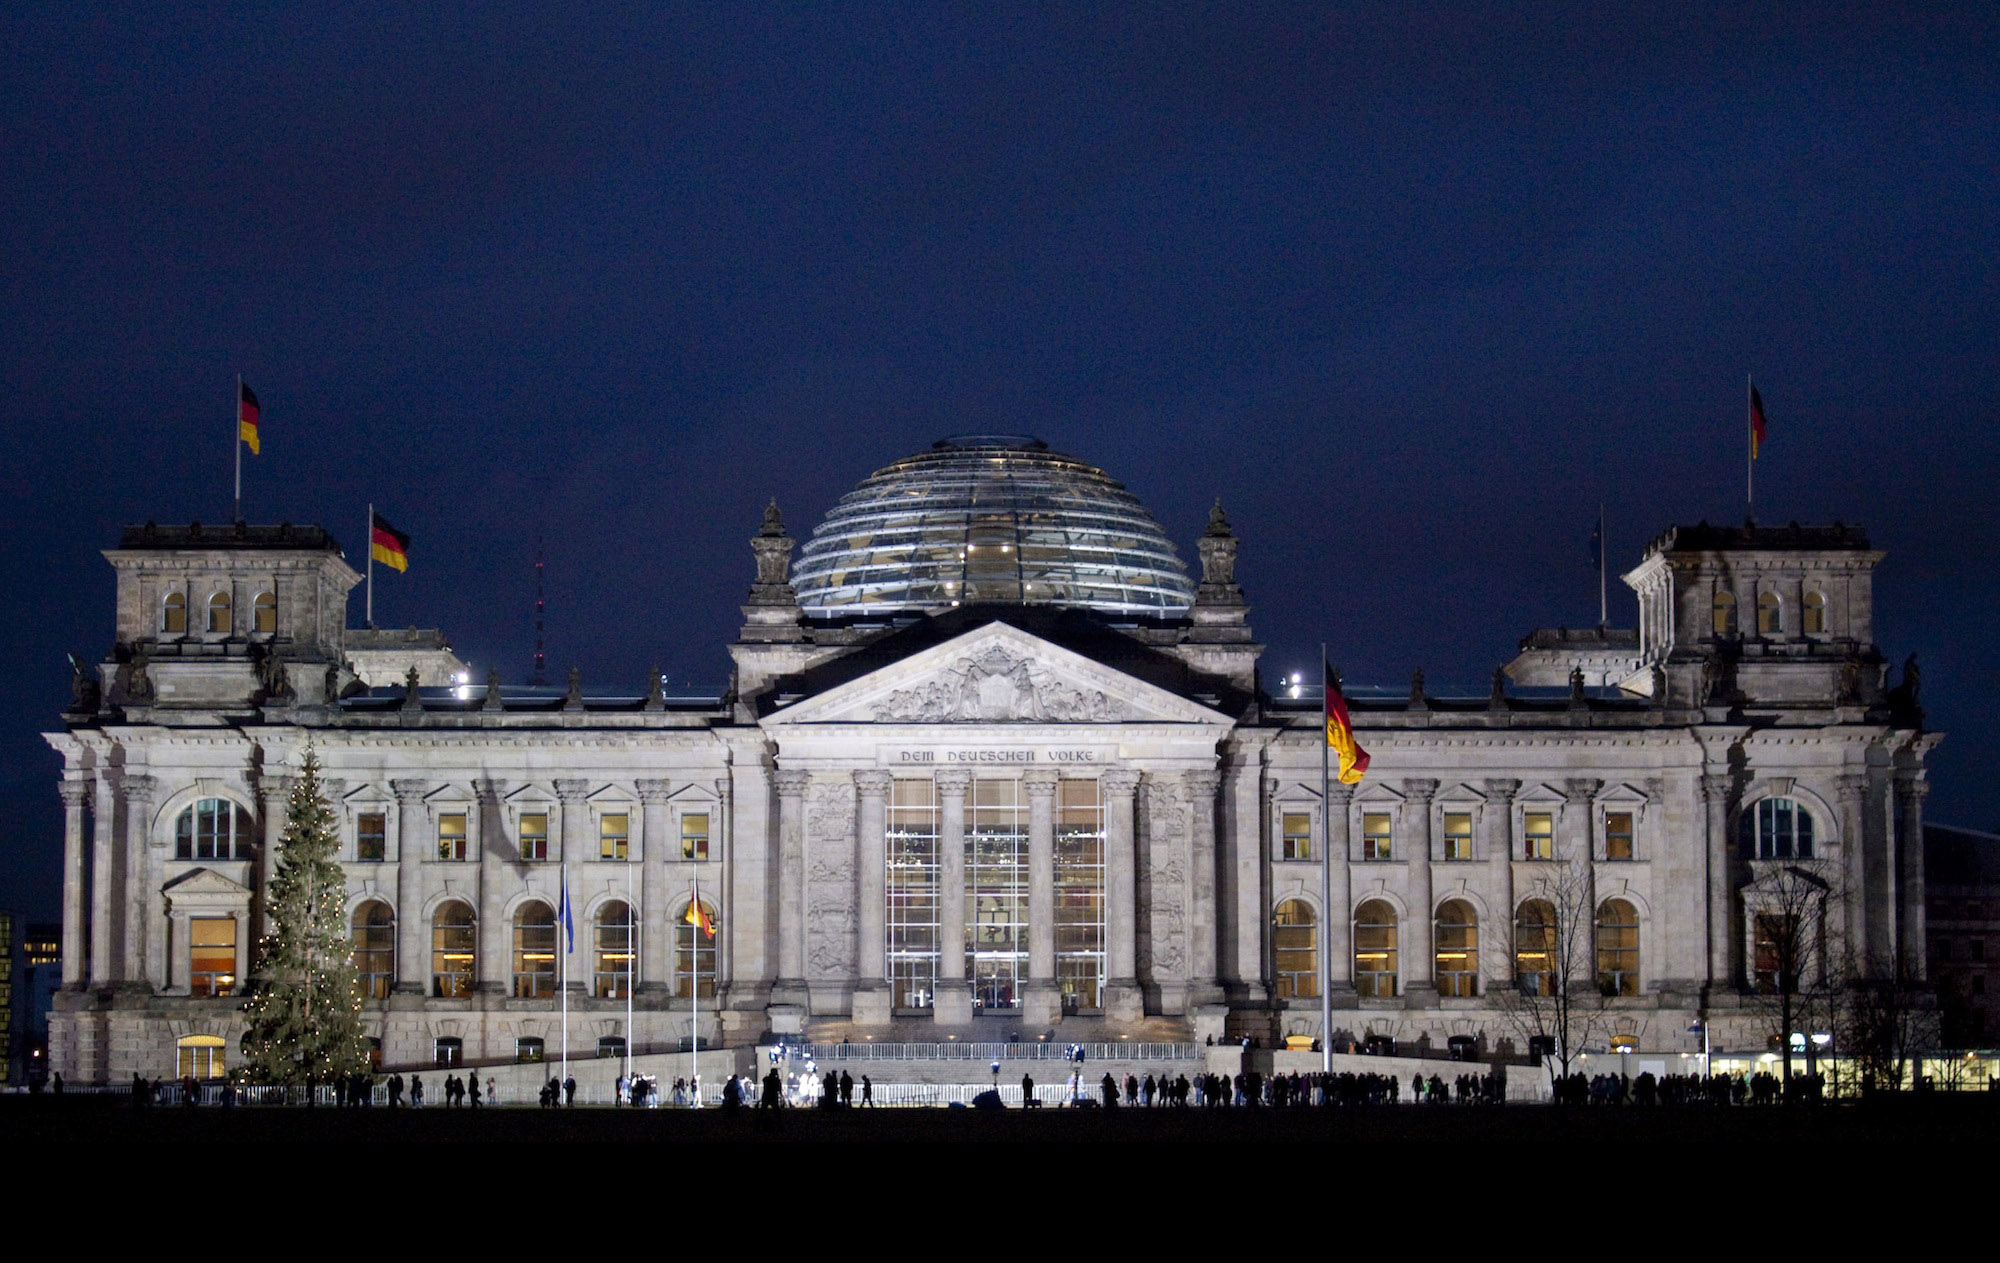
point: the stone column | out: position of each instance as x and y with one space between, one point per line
179 926
722 846
1852 794
1716 848
412 961
139 883
951 998
75 793
656 926
1420 962
1203 986
103 877
790 989
1122 1000
490 971
242 920
1041 999
871 832
1497 823
1910 797
1339 912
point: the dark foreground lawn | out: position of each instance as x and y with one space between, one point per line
1943 1119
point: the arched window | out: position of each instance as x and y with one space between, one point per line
1777 829
375 948
1457 947
1375 949
1617 948
1535 947
214 829
534 950
454 948
201 1056
1770 614
1725 613
218 613
611 973
694 954
1812 614
174 615
1295 950
264 613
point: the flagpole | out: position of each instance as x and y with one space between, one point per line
236 433
368 546
631 960
1325 870
694 991
1603 601
566 936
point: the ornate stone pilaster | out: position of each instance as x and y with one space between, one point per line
1420 965
1497 823
1910 795
75 795
105 872
1716 868
489 971
140 883
1851 792
1122 1001
722 845
412 961
791 983
871 833
951 1002
657 930
1204 987
1338 915
275 792
1163 896
575 815
1580 840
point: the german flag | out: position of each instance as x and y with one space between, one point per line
388 545
246 416
1340 734
1756 422
697 914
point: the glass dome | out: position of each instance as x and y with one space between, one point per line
990 518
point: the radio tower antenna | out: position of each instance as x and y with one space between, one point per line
539 676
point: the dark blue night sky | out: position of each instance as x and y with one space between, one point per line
1412 291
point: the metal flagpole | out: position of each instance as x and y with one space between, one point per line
631 959
564 935
1603 601
368 546
1325 871
694 989
236 434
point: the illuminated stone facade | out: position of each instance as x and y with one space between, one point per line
971 819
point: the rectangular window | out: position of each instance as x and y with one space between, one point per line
212 956
1079 904
534 836
451 836
614 833
448 1052
1618 835
1375 835
694 836
1298 836
371 836
1540 830
1458 835
912 890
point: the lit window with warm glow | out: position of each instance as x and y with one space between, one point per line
1539 832
1375 949
614 836
1457 835
1295 950
1457 949
1298 836
1375 842
212 956
534 836
694 835
535 940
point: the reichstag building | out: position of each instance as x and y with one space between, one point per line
992 762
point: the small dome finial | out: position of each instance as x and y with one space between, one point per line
1218 521
774 522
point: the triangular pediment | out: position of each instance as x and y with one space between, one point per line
205 884
996 674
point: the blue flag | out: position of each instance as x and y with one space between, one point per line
568 925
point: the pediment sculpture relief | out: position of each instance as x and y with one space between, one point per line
996 684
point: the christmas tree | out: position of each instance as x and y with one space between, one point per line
305 1010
